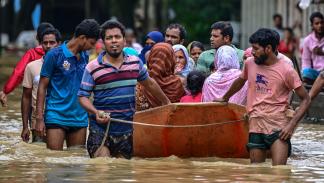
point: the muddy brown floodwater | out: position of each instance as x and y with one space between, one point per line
25 162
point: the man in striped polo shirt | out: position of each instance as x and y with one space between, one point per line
112 79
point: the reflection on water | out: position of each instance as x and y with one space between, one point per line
24 162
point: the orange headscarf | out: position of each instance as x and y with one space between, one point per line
161 64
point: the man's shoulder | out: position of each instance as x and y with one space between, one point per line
208 52
55 51
93 65
132 58
207 55
308 38
249 61
285 66
285 59
35 63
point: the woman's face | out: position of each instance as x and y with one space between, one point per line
180 60
149 42
194 53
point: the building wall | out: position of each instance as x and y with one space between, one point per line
254 15
258 13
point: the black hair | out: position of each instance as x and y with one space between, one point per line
88 27
264 37
212 67
277 15
316 15
183 32
197 44
225 28
289 30
51 30
110 24
42 26
195 82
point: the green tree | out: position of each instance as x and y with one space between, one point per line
197 16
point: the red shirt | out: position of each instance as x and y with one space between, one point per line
18 73
190 98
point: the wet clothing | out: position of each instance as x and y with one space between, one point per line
113 89
67 129
65 73
18 73
268 92
117 144
264 141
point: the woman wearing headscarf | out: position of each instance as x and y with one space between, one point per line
150 39
227 71
161 64
195 48
183 62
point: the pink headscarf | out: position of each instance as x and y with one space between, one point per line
248 52
227 70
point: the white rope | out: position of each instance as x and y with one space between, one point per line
174 126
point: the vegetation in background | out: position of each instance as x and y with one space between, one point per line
197 16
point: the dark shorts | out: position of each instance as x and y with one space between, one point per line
121 145
263 141
67 129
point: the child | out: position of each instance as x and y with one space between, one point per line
195 82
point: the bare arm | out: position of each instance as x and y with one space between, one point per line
41 92
88 106
155 90
25 111
317 87
235 87
3 99
304 104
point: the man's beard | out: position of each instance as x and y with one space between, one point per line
114 54
261 59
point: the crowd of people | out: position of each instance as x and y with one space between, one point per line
122 77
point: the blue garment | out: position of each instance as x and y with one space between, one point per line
130 51
310 73
143 52
157 37
65 73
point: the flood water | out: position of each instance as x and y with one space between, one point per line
23 162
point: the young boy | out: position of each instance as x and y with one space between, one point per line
61 75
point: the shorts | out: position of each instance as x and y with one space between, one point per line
117 145
263 141
67 129
310 73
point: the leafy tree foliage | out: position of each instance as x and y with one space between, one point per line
198 16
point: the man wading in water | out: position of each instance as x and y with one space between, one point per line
60 79
112 79
269 82
49 39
